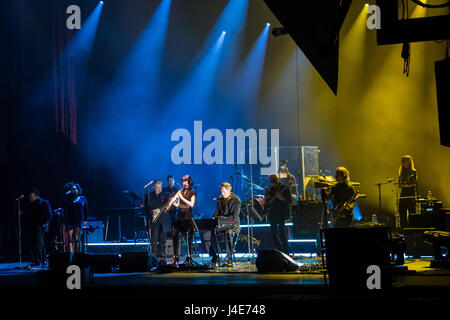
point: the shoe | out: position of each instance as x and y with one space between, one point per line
214 259
229 263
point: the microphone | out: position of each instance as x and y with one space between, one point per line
390 180
20 197
68 192
148 184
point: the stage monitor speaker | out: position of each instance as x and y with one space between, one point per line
99 263
57 275
415 242
59 261
137 261
103 263
307 218
442 71
274 261
350 252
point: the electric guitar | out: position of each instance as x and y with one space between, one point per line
165 207
338 213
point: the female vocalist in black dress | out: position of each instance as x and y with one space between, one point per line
75 213
185 203
407 179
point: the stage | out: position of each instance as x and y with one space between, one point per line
308 141
414 281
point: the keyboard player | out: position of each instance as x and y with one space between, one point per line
229 206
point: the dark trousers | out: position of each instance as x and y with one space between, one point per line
406 206
278 231
210 246
158 238
37 245
229 235
185 228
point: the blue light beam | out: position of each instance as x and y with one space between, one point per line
247 85
197 90
80 46
75 54
138 76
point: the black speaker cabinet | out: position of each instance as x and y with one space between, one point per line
274 261
415 242
350 252
137 261
306 218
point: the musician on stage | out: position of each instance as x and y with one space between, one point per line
37 216
186 201
407 179
229 206
288 179
170 191
341 195
75 214
158 229
277 200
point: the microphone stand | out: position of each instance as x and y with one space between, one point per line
20 231
146 205
250 219
379 192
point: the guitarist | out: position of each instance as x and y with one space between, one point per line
277 200
342 195
159 229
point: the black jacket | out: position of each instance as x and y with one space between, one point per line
280 208
229 208
39 212
154 201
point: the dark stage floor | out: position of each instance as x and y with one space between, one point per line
417 282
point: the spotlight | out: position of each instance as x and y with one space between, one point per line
268 24
101 2
278 32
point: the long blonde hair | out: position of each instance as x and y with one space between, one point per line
410 161
342 171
